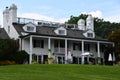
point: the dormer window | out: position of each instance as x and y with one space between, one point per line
61 32
30 28
90 35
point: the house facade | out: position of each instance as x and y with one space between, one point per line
64 42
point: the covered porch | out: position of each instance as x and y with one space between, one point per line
58 48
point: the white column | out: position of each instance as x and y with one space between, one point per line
23 44
82 52
20 44
30 54
65 51
113 53
49 47
98 48
41 59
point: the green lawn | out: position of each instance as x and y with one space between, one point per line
59 72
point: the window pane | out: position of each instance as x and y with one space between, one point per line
87 47
62 43
61 31
38 43
30 28
42 44
90 34
56 43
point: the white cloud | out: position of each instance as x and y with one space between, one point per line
1 19
113 18
97 13
41 17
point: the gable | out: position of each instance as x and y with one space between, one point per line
30 27
61 31
89 34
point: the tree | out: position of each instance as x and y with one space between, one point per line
74 20
115 37
102 28
7 48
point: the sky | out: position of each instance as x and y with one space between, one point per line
61 10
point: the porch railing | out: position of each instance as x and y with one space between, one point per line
59 50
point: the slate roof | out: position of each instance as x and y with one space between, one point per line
49 31
3 34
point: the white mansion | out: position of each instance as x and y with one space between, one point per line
42 39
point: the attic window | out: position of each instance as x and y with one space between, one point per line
61 32
90 35
30 28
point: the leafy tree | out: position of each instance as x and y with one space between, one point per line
74 19
102 28
7 48
115 37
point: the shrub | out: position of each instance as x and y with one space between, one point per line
20 57
7 62
7 48
34 62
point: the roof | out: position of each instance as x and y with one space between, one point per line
3 34
49 31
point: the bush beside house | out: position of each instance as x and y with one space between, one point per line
9 53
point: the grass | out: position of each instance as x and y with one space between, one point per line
59 72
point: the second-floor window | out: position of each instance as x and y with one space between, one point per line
30 28
61 32
38 43
90 35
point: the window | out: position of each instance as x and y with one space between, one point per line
59 43
56 43
62 43
77 46
8 29
87 47
62 32
38 43
90 35
30 28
